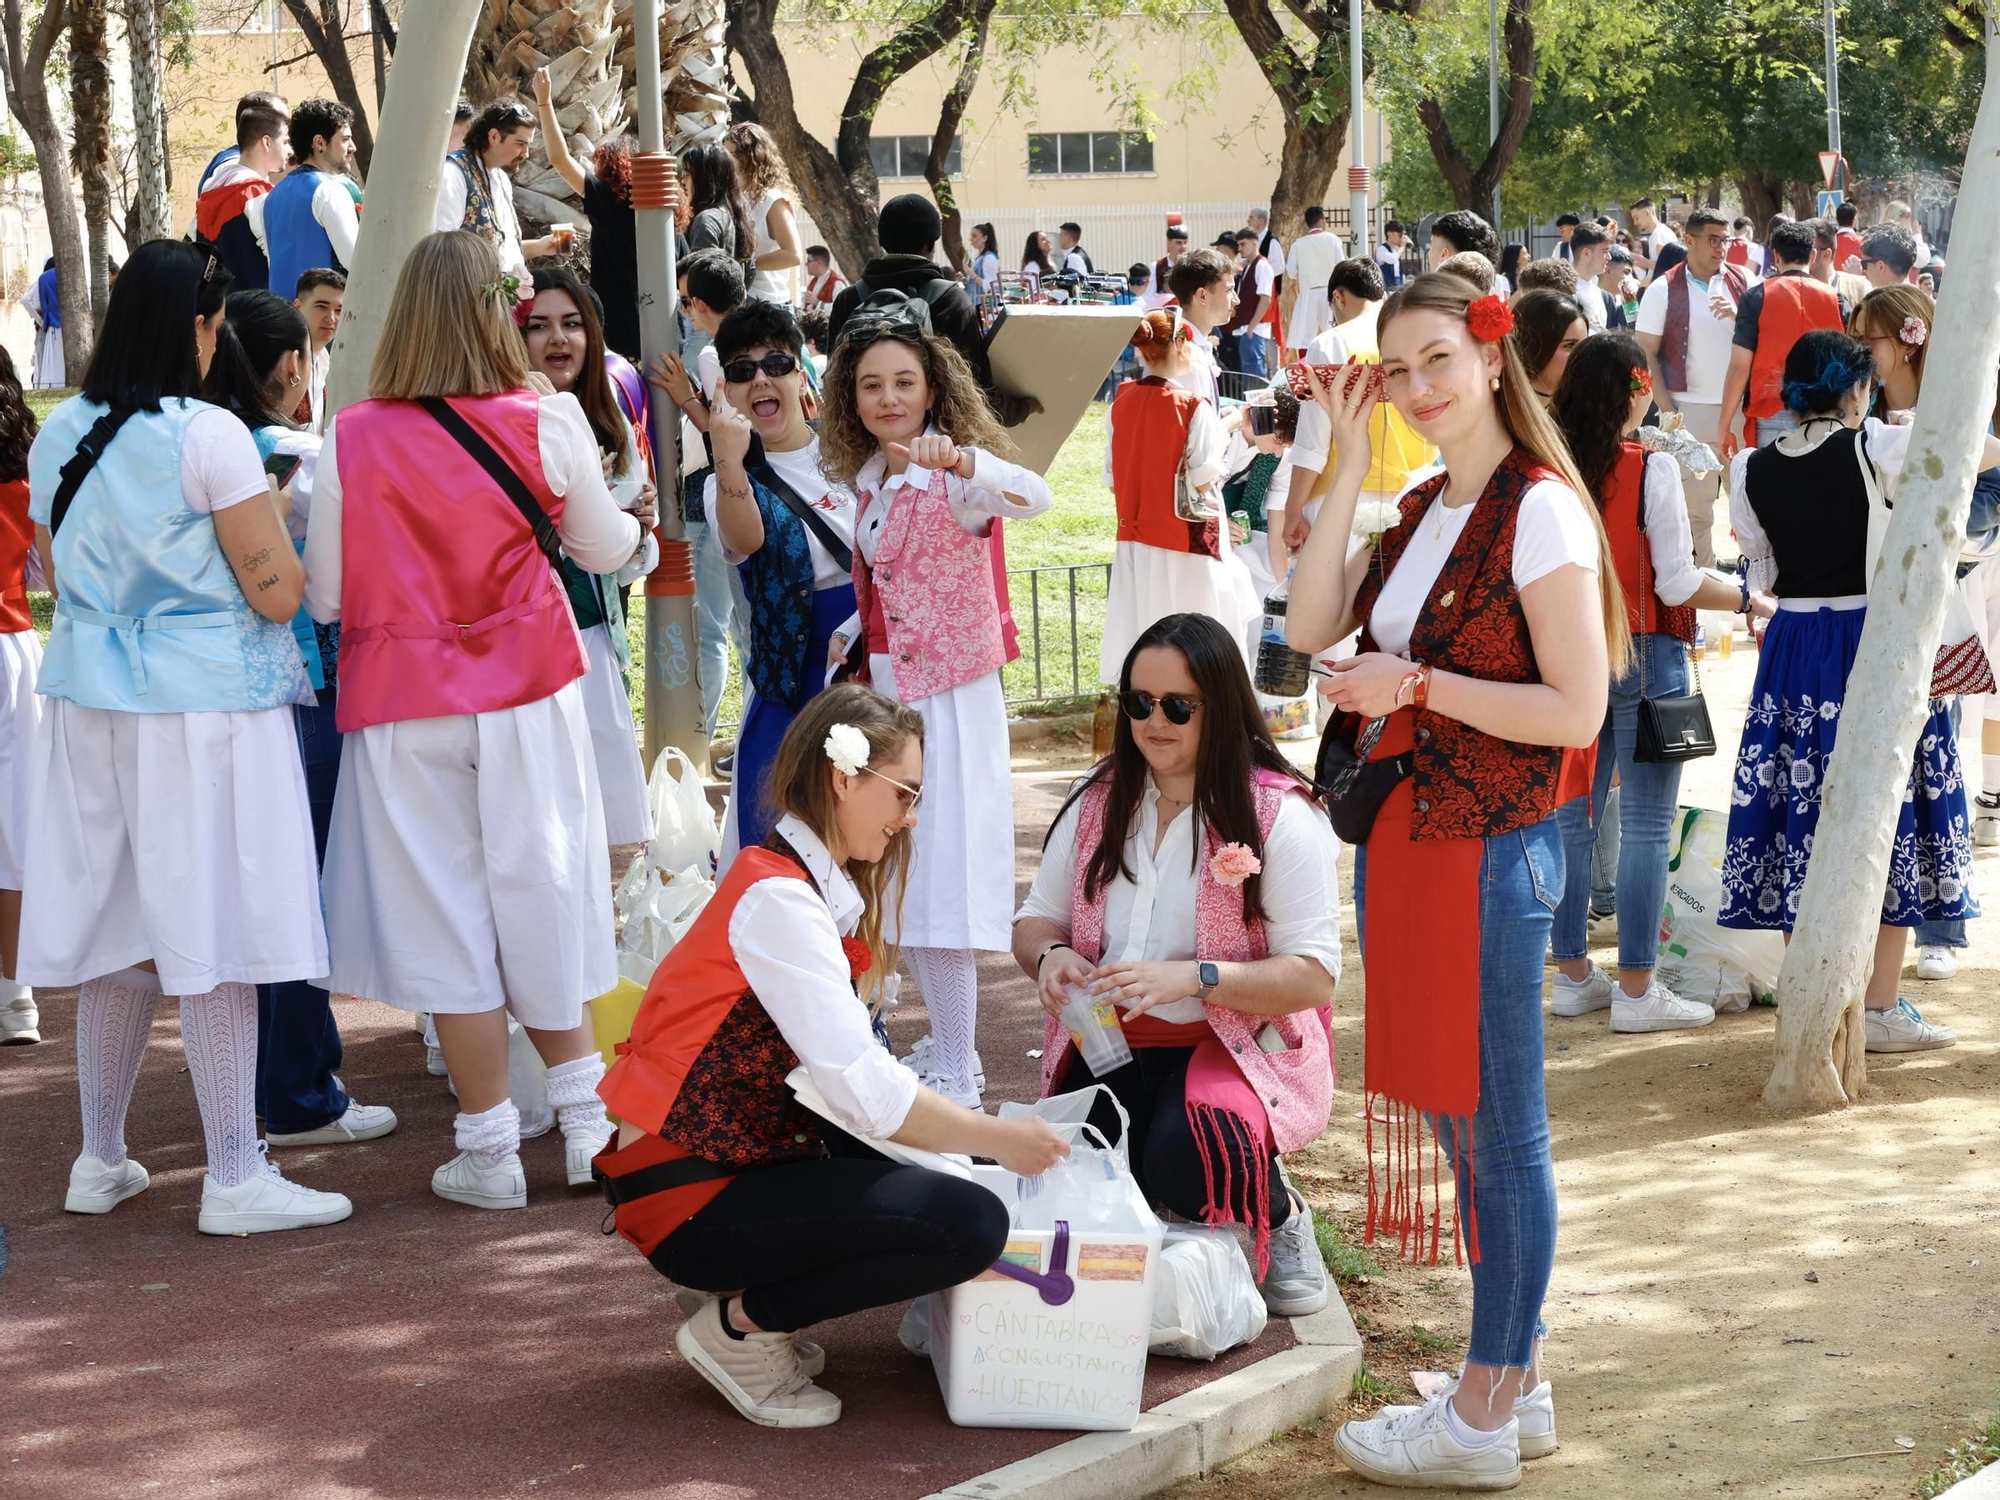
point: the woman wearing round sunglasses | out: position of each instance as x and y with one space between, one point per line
796 575
1191 881
908 427
1491 623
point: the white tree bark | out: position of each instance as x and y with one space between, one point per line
1820 1061
142 30
403 185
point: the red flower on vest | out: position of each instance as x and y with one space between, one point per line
859 958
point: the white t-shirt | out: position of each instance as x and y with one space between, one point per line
1073 260
771 286
1710 337
835 503
219 463
1658 238
1552 529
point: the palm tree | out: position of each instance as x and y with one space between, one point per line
149 122
90 155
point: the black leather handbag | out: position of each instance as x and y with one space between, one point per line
1669 729
1350 786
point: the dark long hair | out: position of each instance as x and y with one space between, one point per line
260 328
1594 400
1541 317
146 352
1032 254
1234 744
710 172
17 423
593 380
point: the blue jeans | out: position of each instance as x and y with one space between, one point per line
1604 858
298 1046
1647 794
1251 351
1513 1191
721 612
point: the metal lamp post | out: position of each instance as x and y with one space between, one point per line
1357 170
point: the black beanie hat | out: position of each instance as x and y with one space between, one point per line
909 224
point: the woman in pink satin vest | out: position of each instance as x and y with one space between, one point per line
465 866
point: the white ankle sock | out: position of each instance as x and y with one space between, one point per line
1989 774
1471 1436
114 1017
491 1136
219 1035
13 990
573 1096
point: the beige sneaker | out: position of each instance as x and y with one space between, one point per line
812 1358
758 1373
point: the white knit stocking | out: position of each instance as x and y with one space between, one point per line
949 978
573 1096
114 1016
491 1136
219 1035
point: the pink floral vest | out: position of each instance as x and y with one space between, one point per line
933 583
1295 1085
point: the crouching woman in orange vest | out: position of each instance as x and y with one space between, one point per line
720 1177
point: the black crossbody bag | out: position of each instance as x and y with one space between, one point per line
1352 788
1669 729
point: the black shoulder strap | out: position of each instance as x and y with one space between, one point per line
501 472
937 287
88 452
759 467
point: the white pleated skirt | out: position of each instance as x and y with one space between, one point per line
20 717
961 886
621 774
183 838
1149 583
465 869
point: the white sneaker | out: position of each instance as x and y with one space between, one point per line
1902 1029
1579 997
1535 1412
20 1022
434 1063
1936 961
1295 1285
361 1122
463 1180
266 1202
1417 1450
1986 819
95 1188
1603 929
1659 1009
937 1083
812 1358
580 1150
923 1060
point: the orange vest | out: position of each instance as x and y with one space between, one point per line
1794 304
17 536
1623 496
1149 434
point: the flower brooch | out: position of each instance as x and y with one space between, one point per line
1490 318
1233 864
1642 381
847 748
1913 332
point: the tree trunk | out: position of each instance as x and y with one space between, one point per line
28 59
325 31
90 108
142 31
1308 158
403 195
1820 1062
1762 195
950 113
1475 187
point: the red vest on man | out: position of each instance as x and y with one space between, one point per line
17 537
1624 495
1794 304
447 603
1149 434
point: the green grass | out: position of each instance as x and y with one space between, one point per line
1964 1460
1349 1263
1437 1286
1424 1339
41 403
1369 1385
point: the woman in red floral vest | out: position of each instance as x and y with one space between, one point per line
1491 624
769 1216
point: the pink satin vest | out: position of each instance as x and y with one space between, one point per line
932 583
447 605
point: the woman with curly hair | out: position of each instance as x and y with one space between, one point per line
606 189
774 230
20 709
907 428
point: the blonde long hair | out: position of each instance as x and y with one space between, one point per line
1881 315
1529 424
450 329
958 406
801 783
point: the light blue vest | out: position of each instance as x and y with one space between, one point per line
305 629
150 618
295 240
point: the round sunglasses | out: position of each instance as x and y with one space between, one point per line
1138 706
775 364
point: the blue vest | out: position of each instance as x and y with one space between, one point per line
295 238
150 618
319 645
778 580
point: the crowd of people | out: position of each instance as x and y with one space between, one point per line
309 650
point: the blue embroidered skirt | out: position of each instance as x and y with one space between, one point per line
1788 741
765 723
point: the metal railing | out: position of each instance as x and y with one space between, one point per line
1067 603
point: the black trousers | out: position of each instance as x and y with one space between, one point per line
1166 1158
812 1240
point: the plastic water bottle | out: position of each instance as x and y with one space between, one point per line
1281 671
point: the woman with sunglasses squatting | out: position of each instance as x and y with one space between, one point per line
907 426
788 529
1191 882
1491 623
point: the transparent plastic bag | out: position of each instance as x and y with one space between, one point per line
1205 1301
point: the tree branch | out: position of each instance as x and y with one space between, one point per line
1266 39
378 12
951 112
915 43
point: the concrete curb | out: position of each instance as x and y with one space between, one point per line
1985 1485
1192 1434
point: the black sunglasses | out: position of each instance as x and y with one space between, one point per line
1139 706
774 364
1349 773
1869 260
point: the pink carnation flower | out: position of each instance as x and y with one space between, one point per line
1913 332
1233 864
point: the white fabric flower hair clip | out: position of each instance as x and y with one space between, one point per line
847 748
1913 332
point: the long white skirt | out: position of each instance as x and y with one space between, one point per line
1149 583
49 360
183 838
20 718
961 887
621 774
466 866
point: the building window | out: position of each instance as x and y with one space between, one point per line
1073 153
905 155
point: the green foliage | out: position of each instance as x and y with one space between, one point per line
1349 1263
16 157
1431 1343
1370 1385
1965 1459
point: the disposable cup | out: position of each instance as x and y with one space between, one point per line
1093 1026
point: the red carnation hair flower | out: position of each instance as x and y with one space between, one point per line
859 959
1490 319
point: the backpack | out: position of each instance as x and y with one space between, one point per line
897 305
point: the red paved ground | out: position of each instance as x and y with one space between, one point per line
420 1348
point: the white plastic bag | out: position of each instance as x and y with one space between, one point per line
1205 1300
1069 1112
656 909
685 831
1698 960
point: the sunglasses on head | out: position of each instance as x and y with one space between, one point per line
1139 706
773 364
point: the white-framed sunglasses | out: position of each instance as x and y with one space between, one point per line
909 796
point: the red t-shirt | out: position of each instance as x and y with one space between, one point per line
1845 243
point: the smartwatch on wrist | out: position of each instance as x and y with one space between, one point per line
1207 977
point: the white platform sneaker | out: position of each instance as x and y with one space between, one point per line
1418 1450
463 1180
95 1188
265 1202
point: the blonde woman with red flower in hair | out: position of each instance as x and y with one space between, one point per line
770 1217
1492 623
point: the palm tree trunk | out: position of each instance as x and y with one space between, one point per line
142 24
